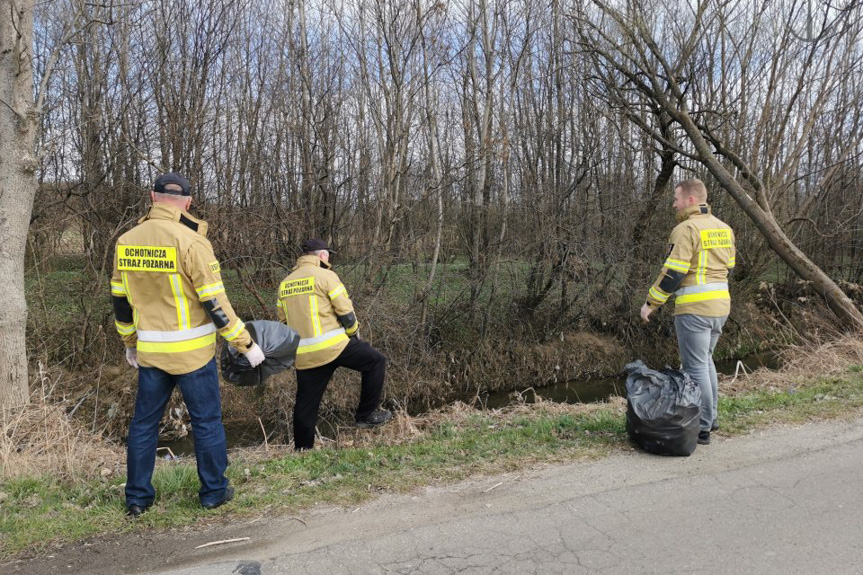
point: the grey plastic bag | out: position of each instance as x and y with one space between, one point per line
279 344
662 409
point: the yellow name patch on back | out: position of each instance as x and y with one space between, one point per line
297 287
147 259
711 239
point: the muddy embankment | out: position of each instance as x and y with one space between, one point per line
100 400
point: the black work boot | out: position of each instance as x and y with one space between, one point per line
135 511
704 438
229 494
375 418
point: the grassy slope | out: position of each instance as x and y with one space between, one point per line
37 512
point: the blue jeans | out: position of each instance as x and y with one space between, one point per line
200 390
696 339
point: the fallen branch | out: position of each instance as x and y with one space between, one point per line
493 486
222 542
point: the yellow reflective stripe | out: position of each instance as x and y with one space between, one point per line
702 267
125 280
708 295
180 301
338 291
322 345
235 331
125 328
313 311
176 346
677 265
732 262
353 329
210 289
117 288
285 308
658 295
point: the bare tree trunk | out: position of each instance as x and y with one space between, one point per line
838 302
18 165
437 177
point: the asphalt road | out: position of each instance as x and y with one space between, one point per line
784 501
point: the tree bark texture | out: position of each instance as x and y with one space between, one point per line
17 190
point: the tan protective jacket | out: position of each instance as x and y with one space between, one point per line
169 300
700 253
314 302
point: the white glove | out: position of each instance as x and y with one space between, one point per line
255 355
132 356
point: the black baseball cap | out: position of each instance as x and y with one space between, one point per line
172 178
314 244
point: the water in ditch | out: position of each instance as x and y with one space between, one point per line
576 391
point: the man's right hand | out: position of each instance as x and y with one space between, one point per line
132 356
255 355
646 310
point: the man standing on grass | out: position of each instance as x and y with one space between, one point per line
700 254
169 303
314 302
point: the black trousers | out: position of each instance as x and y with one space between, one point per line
311 384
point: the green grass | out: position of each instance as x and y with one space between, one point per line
37 512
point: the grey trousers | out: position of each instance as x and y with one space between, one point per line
696 339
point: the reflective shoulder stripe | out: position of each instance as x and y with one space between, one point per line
176 346
210 290
705 296
338 291
124 329
234 332
677 265
117 288
322 341
657 295
176 335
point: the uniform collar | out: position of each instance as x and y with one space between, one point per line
699 210
311 260
163 211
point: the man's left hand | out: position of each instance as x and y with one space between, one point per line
646 310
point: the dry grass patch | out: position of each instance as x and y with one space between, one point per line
41 439
800 364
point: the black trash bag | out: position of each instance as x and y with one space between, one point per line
662 409
279 344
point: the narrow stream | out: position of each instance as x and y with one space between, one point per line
590 391
577 391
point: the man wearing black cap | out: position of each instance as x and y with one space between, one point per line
169 303
314 302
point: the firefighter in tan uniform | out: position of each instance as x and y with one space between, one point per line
314 302
701 253
169 304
